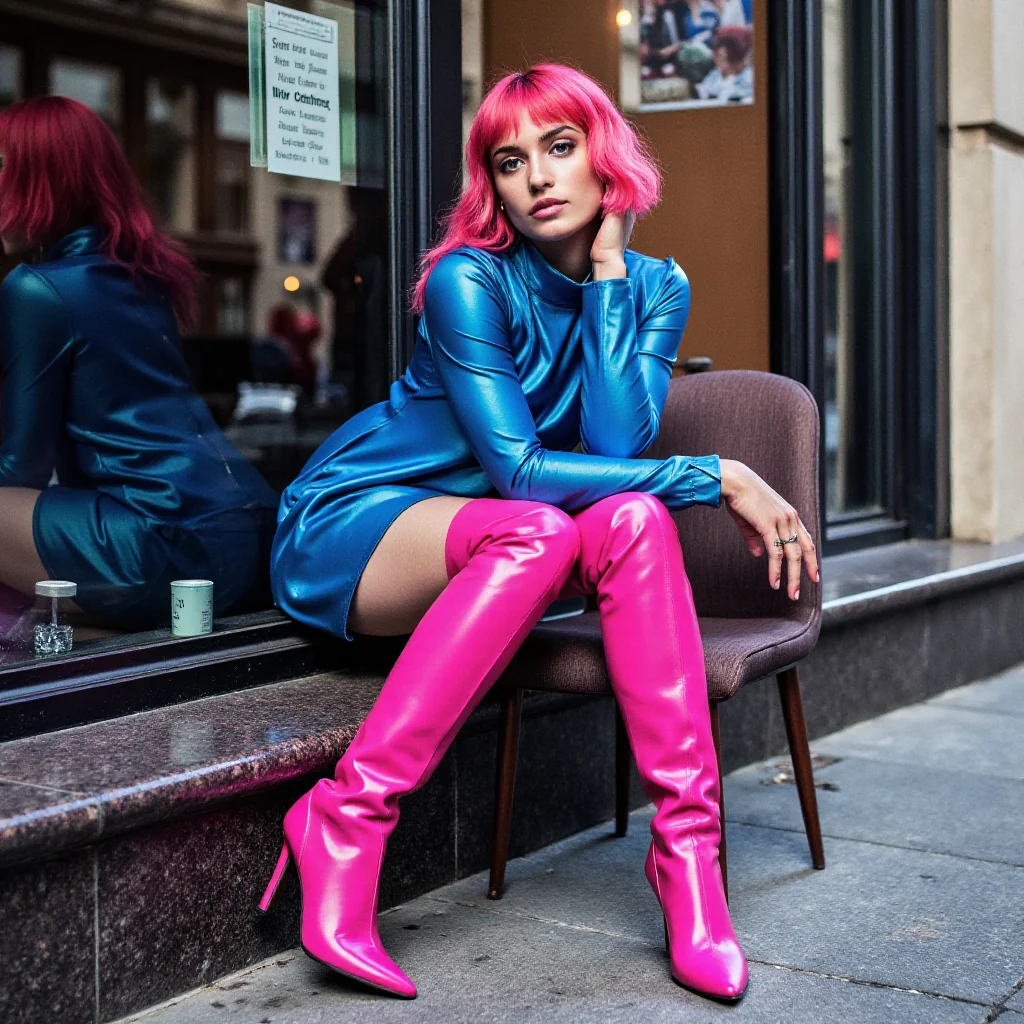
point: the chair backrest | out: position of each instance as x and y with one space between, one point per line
771 424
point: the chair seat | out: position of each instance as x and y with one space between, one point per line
567 655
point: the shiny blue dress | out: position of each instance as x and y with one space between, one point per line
148 489
515 365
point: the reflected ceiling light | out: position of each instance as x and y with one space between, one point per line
291 283
623 18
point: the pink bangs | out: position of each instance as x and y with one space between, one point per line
545 93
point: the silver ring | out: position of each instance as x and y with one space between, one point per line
791 540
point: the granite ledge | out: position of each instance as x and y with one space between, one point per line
123 782
863 584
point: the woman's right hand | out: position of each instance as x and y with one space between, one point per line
763 517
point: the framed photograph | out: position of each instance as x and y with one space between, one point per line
678 54
296 230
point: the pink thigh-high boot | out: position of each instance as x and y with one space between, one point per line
630 556
506 562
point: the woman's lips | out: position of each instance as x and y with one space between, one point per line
548 211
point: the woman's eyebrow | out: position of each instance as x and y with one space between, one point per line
551 133
544 138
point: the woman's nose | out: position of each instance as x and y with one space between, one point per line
540 176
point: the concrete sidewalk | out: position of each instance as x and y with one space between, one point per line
918 916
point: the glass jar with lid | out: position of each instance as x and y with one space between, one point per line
53 633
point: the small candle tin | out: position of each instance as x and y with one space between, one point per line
191 607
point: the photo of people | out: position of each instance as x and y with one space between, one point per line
687 53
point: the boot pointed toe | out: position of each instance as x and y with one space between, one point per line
372 967
719 972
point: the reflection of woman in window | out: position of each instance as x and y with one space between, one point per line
96 390
503 472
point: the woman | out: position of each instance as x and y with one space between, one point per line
95 388
501 474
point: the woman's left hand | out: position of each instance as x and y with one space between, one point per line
766 518
612 238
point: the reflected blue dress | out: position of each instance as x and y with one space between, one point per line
148 489
515 365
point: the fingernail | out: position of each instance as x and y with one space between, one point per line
817 577
796 596
776 584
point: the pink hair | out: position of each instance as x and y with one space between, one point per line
65 169
545 93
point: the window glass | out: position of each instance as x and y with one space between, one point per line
10 75
98 86
170 151
233 117
232 188
854 364
294 298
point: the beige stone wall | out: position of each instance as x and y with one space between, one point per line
987 268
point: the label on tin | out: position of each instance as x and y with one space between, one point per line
191 607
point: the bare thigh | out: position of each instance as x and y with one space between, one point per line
20 566
406 572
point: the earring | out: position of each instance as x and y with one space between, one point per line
502 205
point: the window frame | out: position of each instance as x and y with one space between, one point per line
903 113
155 669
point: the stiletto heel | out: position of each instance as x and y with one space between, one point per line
275 879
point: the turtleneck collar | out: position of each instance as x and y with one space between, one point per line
544 279
79 242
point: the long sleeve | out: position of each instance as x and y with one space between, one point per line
627 367
35 352
467 328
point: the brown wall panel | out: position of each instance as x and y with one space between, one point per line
713 217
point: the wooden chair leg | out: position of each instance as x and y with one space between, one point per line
623 766
505 784
800 755
722 858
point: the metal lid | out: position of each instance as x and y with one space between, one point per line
192 583
56 588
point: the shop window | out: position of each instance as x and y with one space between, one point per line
170 152
298 289
11 64
96 85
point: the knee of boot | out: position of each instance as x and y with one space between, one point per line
557 529
646 511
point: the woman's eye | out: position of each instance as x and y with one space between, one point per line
569 147
505 164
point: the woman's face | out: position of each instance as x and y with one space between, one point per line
724 63
543 176
13 245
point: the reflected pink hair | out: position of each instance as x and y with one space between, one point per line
64 169
545 93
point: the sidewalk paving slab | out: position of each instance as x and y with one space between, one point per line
1016 1002
476 966
927 809
878 914
1003 693
935 736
